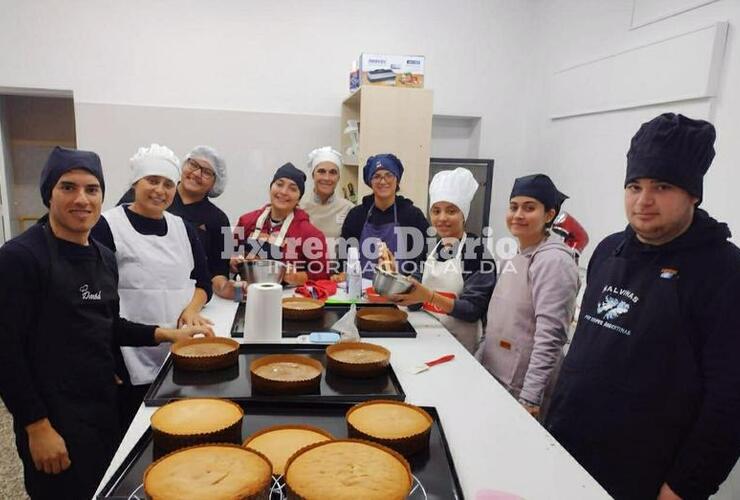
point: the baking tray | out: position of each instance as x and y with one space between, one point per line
332 313
235 383
433 470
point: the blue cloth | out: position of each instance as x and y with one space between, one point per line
382 162
62 160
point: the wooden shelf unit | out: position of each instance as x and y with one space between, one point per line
392 120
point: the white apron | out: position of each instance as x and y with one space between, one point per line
154 284
447 277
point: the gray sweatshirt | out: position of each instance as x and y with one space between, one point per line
553 274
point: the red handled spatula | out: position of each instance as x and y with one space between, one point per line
425 366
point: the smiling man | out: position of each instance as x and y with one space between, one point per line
648 399
59 323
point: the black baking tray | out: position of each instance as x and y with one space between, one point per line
332 313
235 383
434 469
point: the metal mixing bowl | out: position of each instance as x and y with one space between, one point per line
388 283
262 271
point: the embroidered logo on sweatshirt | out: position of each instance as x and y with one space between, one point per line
615 302
668 273
611 307
88 295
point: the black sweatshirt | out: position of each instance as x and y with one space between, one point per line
409 216
24 267
709 297
209 220
144 225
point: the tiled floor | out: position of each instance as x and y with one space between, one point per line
11 470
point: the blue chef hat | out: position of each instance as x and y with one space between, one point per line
674 149
541 188
386 161
62 160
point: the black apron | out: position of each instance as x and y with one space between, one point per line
629 390
71 353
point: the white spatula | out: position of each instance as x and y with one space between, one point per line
425 366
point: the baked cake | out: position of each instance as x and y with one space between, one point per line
401 426
213 471
357 359
348 469
194 421
278 443
285 374
202 354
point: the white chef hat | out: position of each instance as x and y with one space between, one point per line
454 186
155 160
320 155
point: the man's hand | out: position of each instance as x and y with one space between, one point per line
666 493
48 451
175 334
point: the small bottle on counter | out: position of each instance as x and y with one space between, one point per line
354 274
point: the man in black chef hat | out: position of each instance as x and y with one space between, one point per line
59 326
648 399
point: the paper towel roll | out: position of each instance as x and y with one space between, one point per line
263 319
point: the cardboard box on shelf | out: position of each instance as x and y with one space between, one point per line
398 71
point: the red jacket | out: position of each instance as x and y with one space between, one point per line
301 238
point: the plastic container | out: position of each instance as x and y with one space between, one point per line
354 274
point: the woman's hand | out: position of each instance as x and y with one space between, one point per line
338 278
191 317
386 260
293 277
234 263
533 410
417 295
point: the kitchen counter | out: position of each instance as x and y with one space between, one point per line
495 444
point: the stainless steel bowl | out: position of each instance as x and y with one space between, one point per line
262 271
388 283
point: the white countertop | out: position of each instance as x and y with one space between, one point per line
494 443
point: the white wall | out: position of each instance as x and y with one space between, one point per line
276 57
586 154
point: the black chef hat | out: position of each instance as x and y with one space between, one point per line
674 149
289 171
541 188
62 160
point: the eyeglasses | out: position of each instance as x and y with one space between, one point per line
387 177
192 166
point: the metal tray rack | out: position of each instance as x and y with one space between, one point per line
434 471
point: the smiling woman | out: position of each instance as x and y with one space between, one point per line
282 231
163 271
326 209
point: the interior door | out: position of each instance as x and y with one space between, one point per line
6 179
